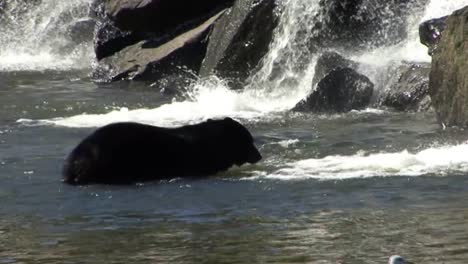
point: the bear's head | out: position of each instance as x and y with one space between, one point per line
237 141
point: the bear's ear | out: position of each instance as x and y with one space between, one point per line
228 119
209 120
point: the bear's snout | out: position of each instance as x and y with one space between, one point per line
254 155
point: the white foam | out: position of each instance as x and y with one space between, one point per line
43 60
440 8
209 99
440 161
411 49
288 142
35 36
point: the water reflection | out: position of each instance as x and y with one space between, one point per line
340 236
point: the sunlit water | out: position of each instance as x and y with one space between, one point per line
351 188
348 188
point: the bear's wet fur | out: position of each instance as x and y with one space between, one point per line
126 153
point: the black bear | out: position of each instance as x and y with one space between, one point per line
125 153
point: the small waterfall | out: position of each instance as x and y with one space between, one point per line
283 78
288 68
40 35
289 65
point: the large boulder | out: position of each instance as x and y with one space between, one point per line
152 60
448 82
126 22
329 61
149 39
110 39
240 39
430 32
341 90
358 24
162 16
410 92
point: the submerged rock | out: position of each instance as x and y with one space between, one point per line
411 91
341 90
448 82
430 32
240 39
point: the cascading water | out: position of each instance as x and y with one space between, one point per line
45 35
331 188
284 78
285 75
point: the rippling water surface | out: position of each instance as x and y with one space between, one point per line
351 188
348 188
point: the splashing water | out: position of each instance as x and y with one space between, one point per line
270 91
410 50
436 160
284 78
35 35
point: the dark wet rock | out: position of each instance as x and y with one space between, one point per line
110 39
357 24
162 16
329 61
430 32
127 22
341 90
448 81
152 60
411 91
240 40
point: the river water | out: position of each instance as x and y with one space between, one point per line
348 188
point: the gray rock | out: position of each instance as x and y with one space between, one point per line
411 90
126 22
146 60
240 39
448 81
341 90
430 32
110 39
162 16
329 61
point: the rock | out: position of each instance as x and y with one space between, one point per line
430 32
448 81
411 91
240 39
358 24
162 16
110 39
329 61
152 60
127 22
341 90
